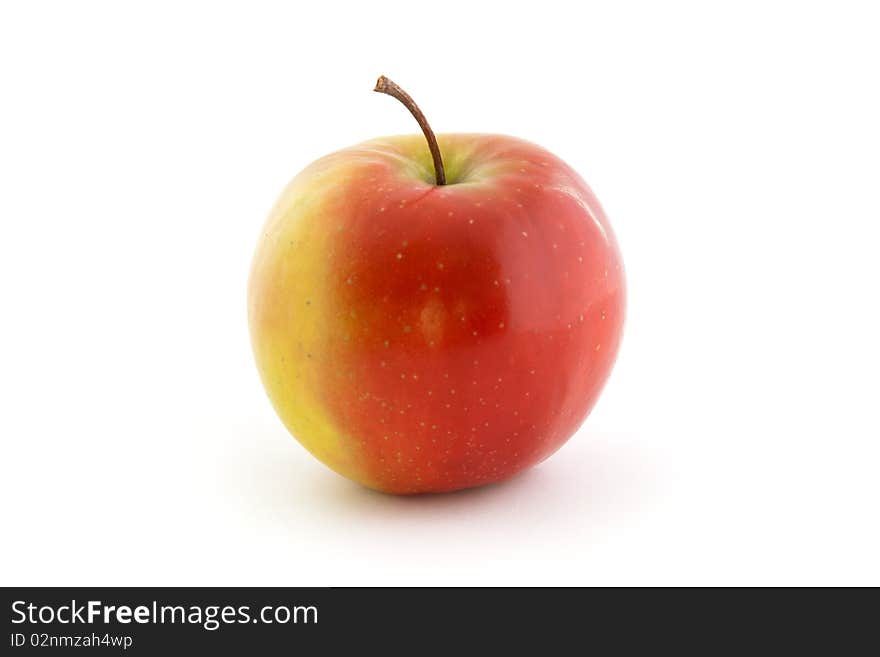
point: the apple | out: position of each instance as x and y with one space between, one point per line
434 313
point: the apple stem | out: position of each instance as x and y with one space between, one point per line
386 86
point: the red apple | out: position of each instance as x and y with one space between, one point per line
421 337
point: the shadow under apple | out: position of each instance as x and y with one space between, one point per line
594 480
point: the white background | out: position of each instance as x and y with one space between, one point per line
736 150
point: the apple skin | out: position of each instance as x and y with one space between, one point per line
421 338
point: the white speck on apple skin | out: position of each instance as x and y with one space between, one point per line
525 234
